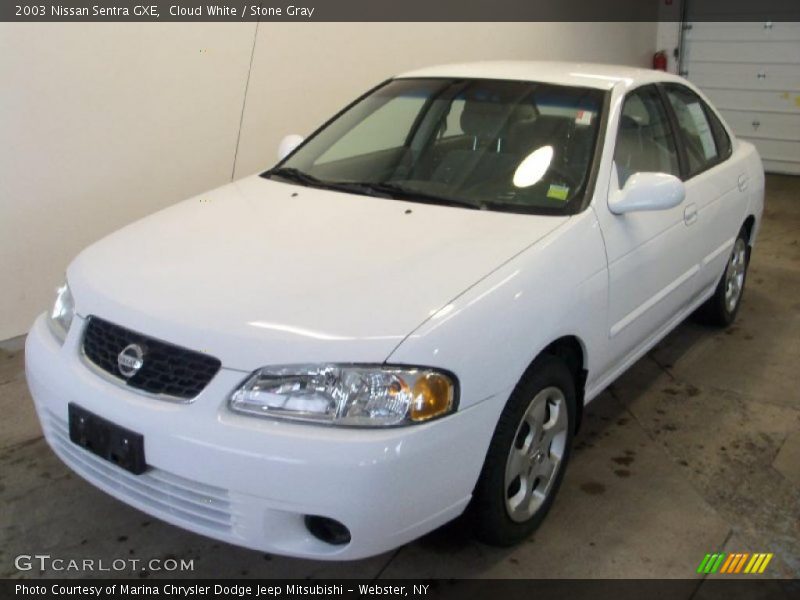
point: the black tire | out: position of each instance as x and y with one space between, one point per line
489 513
718 311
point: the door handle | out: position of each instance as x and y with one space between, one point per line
743 182
690 214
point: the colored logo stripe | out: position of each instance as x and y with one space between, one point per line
711 563
734 563
718 562
737 563
703 563
758 563
727 564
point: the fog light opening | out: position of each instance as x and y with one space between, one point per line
327 530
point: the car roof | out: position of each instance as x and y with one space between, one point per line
592 75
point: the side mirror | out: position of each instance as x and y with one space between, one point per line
648 191
288 144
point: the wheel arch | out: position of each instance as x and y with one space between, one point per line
572 350
749 225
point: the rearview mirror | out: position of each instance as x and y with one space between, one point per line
648 191
288 144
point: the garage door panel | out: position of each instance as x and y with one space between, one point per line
778 150
750 70
781 166
760 124
748 76
753 31
744 52
768 101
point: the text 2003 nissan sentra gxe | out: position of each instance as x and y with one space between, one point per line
403 319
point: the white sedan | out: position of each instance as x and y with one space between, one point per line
403 319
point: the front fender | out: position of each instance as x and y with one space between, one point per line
489 334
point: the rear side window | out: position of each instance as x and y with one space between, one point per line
644 142
698 134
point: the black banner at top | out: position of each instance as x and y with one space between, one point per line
397 10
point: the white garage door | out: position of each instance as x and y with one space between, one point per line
751 72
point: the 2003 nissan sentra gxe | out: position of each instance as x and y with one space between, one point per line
403 319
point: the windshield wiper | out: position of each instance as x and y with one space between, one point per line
384 189
295 175
298 176
399 192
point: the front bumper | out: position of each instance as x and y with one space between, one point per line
251 481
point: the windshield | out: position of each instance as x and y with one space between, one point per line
497 145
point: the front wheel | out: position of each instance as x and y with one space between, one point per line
527 455
720 310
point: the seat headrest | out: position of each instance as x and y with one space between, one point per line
629 123
483 118
542 131
629 140
524 111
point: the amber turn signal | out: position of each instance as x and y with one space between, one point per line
432 396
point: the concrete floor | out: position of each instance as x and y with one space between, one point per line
695 450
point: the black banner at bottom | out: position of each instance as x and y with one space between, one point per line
496 589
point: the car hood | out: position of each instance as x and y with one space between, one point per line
262 272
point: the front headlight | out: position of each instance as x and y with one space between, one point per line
62 313
362 396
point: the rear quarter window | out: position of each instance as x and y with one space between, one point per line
720 135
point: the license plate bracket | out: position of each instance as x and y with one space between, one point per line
120 446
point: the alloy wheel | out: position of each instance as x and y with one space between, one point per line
534 458
734 275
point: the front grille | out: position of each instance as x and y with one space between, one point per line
167 369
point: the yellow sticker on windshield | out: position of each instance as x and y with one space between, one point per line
558 192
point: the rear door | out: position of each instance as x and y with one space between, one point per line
716 183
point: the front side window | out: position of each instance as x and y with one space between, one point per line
701 147
498 145
644 142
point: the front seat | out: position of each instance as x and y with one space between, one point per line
638 151
485 122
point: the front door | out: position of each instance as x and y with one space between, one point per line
651 263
